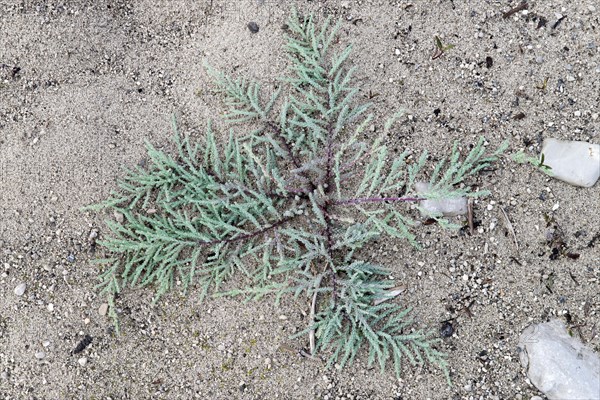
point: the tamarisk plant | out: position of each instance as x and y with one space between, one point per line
288 206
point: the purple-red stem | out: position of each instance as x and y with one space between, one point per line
377 200
249 235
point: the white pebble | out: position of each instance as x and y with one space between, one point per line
20 289
577 163
40 355
82 361
103 309
50 307
447 206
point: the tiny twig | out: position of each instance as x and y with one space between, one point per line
512 11
467 309
510 228
470 216
558 21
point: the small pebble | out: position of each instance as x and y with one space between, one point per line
118 217
40 355
221 347
50 307
82 361
46 343
253 27
447 329
4 375
536 398
103 309
20 289
93 235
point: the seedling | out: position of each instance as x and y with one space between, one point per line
523 158
440 49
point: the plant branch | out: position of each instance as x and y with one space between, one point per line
288 149
286 145
249 235
377 200
313 311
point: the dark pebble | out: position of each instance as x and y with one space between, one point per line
253 26
85 342
489 61
447 329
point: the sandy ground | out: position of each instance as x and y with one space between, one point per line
84 83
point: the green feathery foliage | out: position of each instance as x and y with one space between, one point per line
287 205
522 158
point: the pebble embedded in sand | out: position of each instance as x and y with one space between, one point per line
558 364
253 27
577 163
20 289
119 217
446 207
103 309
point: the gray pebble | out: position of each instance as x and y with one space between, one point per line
20 289
93 235
539 59
253 26
40 355
103 309
119 217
